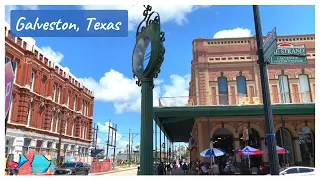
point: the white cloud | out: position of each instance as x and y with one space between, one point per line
8 8
233 33
123 92
52 55
176 13
98 140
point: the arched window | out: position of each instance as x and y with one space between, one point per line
72 127
56 123
66 126
223 90
284 89
241 85
305 88
52 123
29 114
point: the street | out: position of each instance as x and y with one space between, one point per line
132 172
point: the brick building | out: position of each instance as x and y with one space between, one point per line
225 99
46 97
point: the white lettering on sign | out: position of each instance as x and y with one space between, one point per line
8 88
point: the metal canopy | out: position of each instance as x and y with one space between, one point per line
177 122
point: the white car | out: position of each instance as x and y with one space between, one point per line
298 171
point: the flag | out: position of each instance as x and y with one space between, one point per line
192 138
160 104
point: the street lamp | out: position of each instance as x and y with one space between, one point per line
147 58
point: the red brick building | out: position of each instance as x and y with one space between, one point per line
46 97
225 83
225 72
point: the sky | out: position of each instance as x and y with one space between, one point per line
104 64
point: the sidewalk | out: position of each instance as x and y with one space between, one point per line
113 171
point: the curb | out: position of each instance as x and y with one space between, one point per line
113 171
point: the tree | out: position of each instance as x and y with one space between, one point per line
138 147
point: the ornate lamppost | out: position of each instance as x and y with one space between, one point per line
147 58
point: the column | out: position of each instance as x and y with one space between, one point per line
263 148
236 147
200 141
297 151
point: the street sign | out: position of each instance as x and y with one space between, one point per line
269 45
270 51
288 60
9 77
269 40
287 53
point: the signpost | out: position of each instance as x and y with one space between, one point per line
269 45
289 54
9 77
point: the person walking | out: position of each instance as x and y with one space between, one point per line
161 170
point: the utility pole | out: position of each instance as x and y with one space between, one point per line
129 147
115 143
269 125
95 147
108 138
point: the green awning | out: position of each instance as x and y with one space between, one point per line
177 122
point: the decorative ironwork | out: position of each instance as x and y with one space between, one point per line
148 18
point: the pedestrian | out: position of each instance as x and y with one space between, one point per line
161 170
138 171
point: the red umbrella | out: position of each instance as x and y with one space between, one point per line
248 150
280 150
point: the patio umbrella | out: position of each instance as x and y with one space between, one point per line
248 150
280 150
214 152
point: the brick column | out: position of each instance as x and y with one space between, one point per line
236 147
297 151
263 148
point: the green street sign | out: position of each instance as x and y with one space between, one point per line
288 60
295 50
287 53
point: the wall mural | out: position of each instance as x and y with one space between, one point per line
40 164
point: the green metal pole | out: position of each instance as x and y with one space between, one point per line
269 125
146 138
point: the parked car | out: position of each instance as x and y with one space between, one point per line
72 168
88 166
297 171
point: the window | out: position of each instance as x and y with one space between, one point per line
56 123
304 88
75 103
82 107
72 128
28 114
284 89
33 74
49 146
68 99
292 171
304 170
66 126
38 145
241 85
223 90
54 92
51 126
59 95
26 144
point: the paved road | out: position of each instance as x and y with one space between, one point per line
132 172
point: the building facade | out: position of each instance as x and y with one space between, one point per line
46 98
225 72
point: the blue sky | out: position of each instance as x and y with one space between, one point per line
104 64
